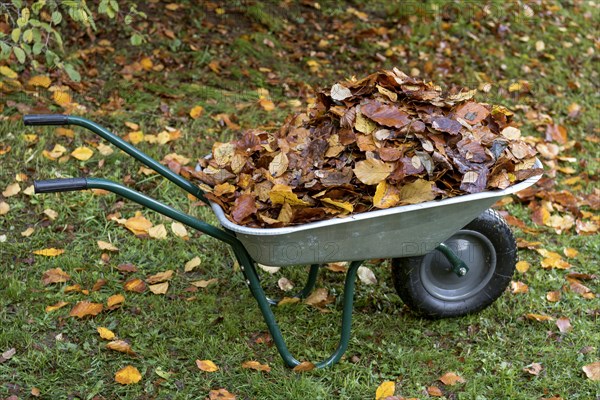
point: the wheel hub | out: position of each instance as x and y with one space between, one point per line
441 281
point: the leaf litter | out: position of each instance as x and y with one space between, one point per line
382 141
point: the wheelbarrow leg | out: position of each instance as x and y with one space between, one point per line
253 282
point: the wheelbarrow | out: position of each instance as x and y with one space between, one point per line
450 257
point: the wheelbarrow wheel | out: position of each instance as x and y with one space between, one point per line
429 286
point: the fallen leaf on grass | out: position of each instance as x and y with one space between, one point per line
8 354
285 284
179 230
522 266
40 80
106 246
553 296
82 153
4 208
570 252
128 375
27 232
158 232
539 317
51 252
256 366
220 394
11 190
51 213
518 287
55 275
434 391
159 288
73 288
135 285
115 301
196 112
127 268
160 277
204 283
193 263
318 298
366 276
121 346
105 333
304 366
85 308
533 369
564 324
337 267
206 365
55 153
138 224
451 379
386 389
56 306
592 371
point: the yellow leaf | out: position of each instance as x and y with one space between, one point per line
159 288
539 317
196 112
146 63
553 296
51 213
207 365
364 124
386 196
66 132
223 153
56 306
384 390
135 285
281 194
121 346
105 150
278 165
85 308
158 232
522 266
417 192
266 104
105 333
27 232
51 252
179 230
40 80
220 394
35 392
128 375
4 207
55 153
106 246
9 73
115 299
135 137
344 205
11 190
82 153
451 379
193 263
317 297
372 171
256 365
61 98
570 252
138 224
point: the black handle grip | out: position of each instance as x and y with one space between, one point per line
60 185
46 119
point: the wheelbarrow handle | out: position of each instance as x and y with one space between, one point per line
60 185
46 119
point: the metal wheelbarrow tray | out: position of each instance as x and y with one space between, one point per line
450 257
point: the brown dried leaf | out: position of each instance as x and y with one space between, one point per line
160 277
564 324
121 346
135 285
539 317
553 296
206 365
159 288
304 367
518 287
256 366
56 306
372 171
592 371
55 275
533 369
451 379
85 308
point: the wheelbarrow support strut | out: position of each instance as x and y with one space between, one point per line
247 264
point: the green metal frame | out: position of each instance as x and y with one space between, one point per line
247 264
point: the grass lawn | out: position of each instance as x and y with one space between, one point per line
538 60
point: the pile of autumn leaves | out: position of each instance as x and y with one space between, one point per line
379 142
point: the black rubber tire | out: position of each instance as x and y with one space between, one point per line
412 275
